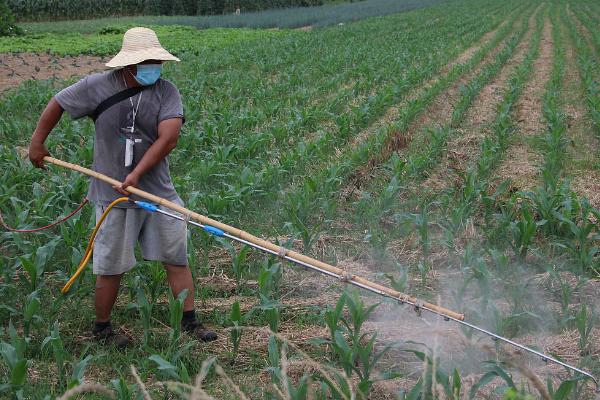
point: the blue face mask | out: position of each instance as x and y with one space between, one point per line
147 74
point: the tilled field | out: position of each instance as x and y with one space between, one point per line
19 67
450 152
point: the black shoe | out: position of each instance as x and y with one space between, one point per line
107 336
198 330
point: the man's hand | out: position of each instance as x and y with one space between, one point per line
130 180
37 152
168 133
47 122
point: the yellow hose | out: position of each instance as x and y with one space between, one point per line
90 246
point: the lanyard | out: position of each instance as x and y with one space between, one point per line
134 110
130 141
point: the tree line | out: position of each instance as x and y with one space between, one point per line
31 10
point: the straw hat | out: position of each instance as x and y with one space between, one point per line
140 44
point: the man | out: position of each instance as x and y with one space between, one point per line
133 138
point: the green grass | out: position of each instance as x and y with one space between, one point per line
180 40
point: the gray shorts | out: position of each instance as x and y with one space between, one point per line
161 238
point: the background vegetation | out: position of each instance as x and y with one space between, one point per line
52 9
8 27
328 14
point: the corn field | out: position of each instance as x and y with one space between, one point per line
450 152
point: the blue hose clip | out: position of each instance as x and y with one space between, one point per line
147 206
214 231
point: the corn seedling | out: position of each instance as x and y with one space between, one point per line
144 308
171 365
58 351
494 369
547 392
333 316
478 271
173 369
517 292
577 218
176 314
434 383
584 320
235 334
13 355
565 390
268 281
301 209
78 372
271 309
34 265
565 294
524 231
356 354
421 222
238 261
278 368
400 284
273 347
31 310
155 277
269 277
513 394
124 390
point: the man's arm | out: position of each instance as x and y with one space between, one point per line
168 134
48 120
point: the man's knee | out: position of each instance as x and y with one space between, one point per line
103 281
175 268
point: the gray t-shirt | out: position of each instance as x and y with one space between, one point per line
157 103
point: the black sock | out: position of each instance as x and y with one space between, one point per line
189 317
99 326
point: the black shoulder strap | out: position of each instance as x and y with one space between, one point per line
114 99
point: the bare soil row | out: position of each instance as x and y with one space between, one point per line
585 146
522 162
435 114
19 67
463 147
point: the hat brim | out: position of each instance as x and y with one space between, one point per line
125 58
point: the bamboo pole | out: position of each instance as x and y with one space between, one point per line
258 241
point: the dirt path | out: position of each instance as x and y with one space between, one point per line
463 147
20 67
440 110
521 161
585 147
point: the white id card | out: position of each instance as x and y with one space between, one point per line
129 143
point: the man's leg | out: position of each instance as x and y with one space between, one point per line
165 239
180 278
113 256
107 288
